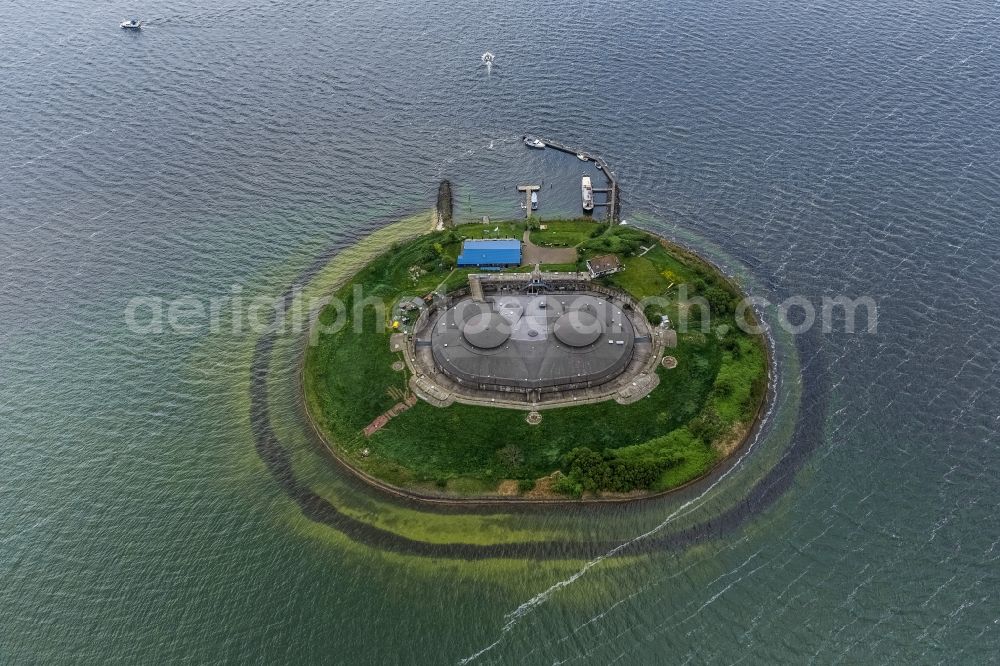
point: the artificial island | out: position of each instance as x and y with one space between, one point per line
534 361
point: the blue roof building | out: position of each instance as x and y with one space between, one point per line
491 253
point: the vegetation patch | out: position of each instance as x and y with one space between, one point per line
674 435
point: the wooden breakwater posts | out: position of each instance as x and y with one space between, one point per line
613 192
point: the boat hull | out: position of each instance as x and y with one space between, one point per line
587 192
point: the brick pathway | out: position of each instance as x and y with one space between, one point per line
395 410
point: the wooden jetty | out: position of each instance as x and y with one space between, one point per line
528 189
612 191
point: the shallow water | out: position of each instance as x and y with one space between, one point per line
824 149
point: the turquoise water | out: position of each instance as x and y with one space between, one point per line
834 148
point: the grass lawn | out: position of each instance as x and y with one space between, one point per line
565 233
480 230
641 278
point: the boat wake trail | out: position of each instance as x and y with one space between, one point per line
514 617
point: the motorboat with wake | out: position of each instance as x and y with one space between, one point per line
488 59
131 24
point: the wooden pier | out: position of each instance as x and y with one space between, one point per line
528 189
613 202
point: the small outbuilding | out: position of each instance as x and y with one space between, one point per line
491 253
606 264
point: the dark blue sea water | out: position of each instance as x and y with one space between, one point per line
815 149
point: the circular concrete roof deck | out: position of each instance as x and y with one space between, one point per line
577 339
486 330
578 328
545 306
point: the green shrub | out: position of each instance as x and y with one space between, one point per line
653 314
707 425
620 240
568 486
594 471
511 459
720 300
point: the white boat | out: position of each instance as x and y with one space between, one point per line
534 201
488 58
532 142
131 24
582 157
588 193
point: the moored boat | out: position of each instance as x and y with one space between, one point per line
588 193
532 142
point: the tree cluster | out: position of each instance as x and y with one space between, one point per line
593 471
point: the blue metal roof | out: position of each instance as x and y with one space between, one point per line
490 252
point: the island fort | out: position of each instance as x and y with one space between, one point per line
535 360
